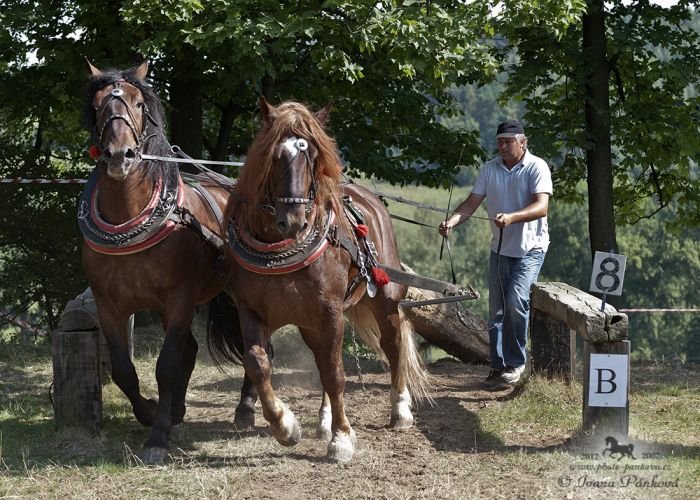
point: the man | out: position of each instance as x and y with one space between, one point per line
517 186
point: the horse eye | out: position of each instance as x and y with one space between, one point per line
139 104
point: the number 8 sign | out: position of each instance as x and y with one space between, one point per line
608 273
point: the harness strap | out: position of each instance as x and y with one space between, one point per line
183 216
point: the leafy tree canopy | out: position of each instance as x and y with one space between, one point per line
653 61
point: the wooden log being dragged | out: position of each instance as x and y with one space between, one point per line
448 325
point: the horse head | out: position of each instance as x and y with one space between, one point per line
292 171
120 117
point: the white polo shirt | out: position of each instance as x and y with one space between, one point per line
512 190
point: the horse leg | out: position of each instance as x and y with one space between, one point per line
244 417
283 423
327 351
189 357
325 418
168 374
115 329
392 343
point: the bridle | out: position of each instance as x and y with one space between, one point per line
300 146
117 94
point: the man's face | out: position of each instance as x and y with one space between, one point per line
510 149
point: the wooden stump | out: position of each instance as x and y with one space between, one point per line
77 384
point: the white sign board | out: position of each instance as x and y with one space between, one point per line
608 273
607 384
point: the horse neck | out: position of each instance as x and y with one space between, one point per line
121 201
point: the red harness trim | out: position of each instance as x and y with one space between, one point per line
167 228
277 247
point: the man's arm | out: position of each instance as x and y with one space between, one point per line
536 210
463 211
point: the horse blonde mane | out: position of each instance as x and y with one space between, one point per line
255 182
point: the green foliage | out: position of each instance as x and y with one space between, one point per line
654 65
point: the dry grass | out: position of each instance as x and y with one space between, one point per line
471 444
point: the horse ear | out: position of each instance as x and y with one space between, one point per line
141 70
267 110
323 116
92 69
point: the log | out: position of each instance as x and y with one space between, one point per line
449 326
581 311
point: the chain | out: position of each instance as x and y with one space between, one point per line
356 349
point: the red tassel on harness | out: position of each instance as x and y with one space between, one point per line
380 277
94 152
361 230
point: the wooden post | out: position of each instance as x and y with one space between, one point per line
77 385
606 418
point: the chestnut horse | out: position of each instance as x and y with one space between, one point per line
305 257
153 239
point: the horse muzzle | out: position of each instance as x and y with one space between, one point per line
119 162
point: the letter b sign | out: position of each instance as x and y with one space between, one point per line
607 384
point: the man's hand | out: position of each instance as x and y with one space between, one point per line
503 220
444 228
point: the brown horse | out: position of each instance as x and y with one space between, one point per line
153 239
305 257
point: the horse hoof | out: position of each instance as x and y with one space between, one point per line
342 446
244 418
288 432
154 455
401 416
401 421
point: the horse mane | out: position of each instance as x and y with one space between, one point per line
255 182
157 144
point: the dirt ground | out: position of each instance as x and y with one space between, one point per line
435 459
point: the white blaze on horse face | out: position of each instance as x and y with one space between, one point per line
294 145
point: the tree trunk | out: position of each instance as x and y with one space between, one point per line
601 222
186 103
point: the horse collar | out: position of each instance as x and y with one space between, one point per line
284 256
152 225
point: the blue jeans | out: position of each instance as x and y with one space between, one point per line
510 279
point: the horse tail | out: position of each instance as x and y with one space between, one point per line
411 364
224 337
410 372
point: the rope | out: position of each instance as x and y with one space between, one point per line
651 309
420 205
18 180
